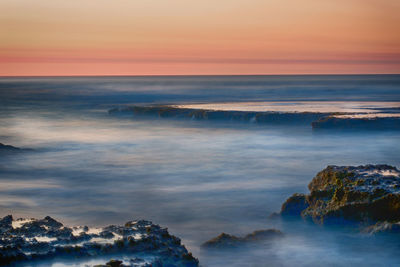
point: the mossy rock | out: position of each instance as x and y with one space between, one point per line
364 194
294 205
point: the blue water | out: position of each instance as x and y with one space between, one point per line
197 178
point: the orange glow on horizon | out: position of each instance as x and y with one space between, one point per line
180 37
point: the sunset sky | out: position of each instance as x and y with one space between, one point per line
182 37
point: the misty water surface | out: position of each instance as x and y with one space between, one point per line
197 178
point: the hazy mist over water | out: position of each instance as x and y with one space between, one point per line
197 178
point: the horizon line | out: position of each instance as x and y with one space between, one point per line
194 75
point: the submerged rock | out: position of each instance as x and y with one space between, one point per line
4 147
345 194
226 241
136 262
46 239
222 241
112 263
8 149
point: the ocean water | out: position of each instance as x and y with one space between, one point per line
197 178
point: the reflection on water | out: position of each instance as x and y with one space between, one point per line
196 178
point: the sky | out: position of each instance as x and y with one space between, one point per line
187 37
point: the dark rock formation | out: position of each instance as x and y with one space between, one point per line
222 241
358 195
278 118
4 147
355 123
294 205
7 149
136 262
319 120
226 241
112 263
47 239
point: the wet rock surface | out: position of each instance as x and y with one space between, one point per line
136 262
268 117
380 119
32 240
357 123
227 241
366 195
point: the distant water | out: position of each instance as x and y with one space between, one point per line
195 177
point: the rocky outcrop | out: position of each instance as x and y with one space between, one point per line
364 195
30 239
318 120
380 120
269 117
135 262
226 241
357 123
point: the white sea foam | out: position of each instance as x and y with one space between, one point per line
368 116
20 222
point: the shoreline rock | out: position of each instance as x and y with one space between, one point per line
25 240
227 241
365 195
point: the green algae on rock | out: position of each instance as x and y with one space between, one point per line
362 195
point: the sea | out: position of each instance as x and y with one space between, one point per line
198 178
